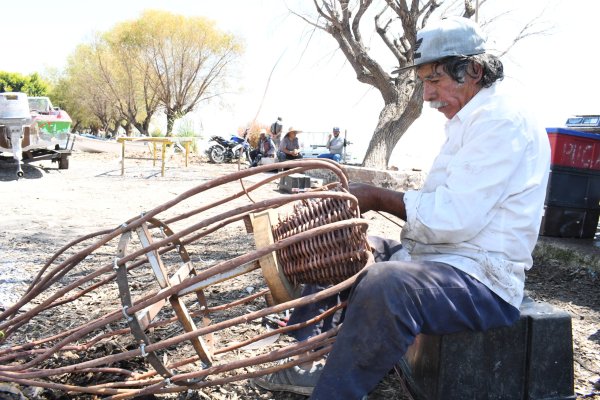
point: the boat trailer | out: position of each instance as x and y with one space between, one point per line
20 135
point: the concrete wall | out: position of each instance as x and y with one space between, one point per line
397 180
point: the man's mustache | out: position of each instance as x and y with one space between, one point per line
437 104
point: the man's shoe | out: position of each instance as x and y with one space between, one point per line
293 379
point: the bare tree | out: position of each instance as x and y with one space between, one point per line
396 24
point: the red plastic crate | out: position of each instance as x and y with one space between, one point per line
574 149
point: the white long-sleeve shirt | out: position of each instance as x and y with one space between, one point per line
481 205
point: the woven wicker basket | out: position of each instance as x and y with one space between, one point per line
327 258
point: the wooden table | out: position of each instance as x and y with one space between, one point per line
163 141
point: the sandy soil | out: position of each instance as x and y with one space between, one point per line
49 207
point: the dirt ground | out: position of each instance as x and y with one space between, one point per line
49 207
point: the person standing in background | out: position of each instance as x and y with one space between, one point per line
276 128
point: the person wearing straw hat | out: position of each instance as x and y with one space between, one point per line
289 147
469 232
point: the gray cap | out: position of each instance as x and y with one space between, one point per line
452 36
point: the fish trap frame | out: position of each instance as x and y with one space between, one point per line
321 240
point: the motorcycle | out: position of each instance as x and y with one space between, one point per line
224 150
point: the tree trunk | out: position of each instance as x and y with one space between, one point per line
145 126
394 121
142 127
105 125
114 130
171 118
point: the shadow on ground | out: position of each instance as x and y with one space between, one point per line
8 171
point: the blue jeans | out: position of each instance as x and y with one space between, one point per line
334 157
389 305
286 157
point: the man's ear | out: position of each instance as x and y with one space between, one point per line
476 72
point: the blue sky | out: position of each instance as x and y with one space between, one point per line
313 87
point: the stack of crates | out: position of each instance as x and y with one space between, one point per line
572 206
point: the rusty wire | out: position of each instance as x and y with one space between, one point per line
130 341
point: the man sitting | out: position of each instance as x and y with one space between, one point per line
265 148
335 145
469 232
289 148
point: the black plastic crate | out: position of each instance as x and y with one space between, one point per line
569 222
530 360
574 188
294 183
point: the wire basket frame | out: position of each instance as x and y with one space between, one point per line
147 322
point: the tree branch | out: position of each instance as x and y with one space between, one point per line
531 28
395 47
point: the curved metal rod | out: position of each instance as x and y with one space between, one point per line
164 294
137 384
271 178
243 210
133 223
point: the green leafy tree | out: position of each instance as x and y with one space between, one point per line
32 85
159 62
127 76
70 98
35 86
84 86
189 57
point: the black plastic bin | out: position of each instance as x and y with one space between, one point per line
568 222
573 188
572 206
530 360
294 183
